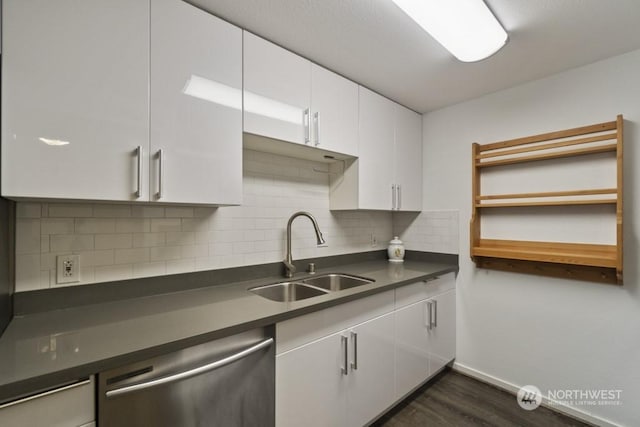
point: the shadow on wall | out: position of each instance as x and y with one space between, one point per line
630 251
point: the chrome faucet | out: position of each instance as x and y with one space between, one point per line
289 268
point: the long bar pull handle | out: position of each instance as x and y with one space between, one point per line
160 173
394 199
192 372
47 393
429 315
345 346
316 117
435 313
399 187
354 363
306 122
138 192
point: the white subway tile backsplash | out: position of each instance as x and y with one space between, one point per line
57 226
29 231
133 225
432 231
132 256
148 240
28 210
180 238
147 211
113 241
78 210
120 241
166 224
178 212
166 253
97 258
28 272
95 225
111 211
71 242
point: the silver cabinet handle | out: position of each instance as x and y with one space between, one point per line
47 393
394 199
435 313
399 189
429 322
307 125
345 346
316 118
160 172
138 192
192 372
354 364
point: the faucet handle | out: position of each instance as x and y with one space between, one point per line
311 268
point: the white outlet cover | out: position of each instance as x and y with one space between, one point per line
68 269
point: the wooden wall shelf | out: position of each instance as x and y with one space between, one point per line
583 261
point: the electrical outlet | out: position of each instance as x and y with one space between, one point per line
374 240
68 269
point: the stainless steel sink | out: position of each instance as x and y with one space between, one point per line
337 282
288 291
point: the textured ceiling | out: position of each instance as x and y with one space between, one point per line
374 43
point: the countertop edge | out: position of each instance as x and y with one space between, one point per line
38 383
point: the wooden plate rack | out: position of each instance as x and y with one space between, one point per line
583 261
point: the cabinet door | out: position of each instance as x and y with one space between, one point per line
412 347
196 106
75 98
372 370
442 337
66 406
408 159
334 107
277 91
376 142
311 389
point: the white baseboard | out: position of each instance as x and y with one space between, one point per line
513 389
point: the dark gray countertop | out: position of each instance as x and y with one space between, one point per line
42 350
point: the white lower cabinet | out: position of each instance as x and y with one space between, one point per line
329 373
425 331
335 381
67 406
371 370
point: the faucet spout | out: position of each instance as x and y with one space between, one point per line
290 269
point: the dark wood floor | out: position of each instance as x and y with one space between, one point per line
453 399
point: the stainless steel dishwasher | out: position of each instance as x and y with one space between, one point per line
226 382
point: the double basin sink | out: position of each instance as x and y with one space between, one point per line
309 287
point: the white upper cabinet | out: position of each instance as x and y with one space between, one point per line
121 101
375 164
196 106
334 112
74 98
277 91
408 160
288 98
388 172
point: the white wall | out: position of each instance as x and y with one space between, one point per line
521 329
120 241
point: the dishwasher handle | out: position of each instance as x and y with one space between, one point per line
192 372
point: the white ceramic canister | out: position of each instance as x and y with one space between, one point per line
396 250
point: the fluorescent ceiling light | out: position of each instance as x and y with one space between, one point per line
466 28
54 142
